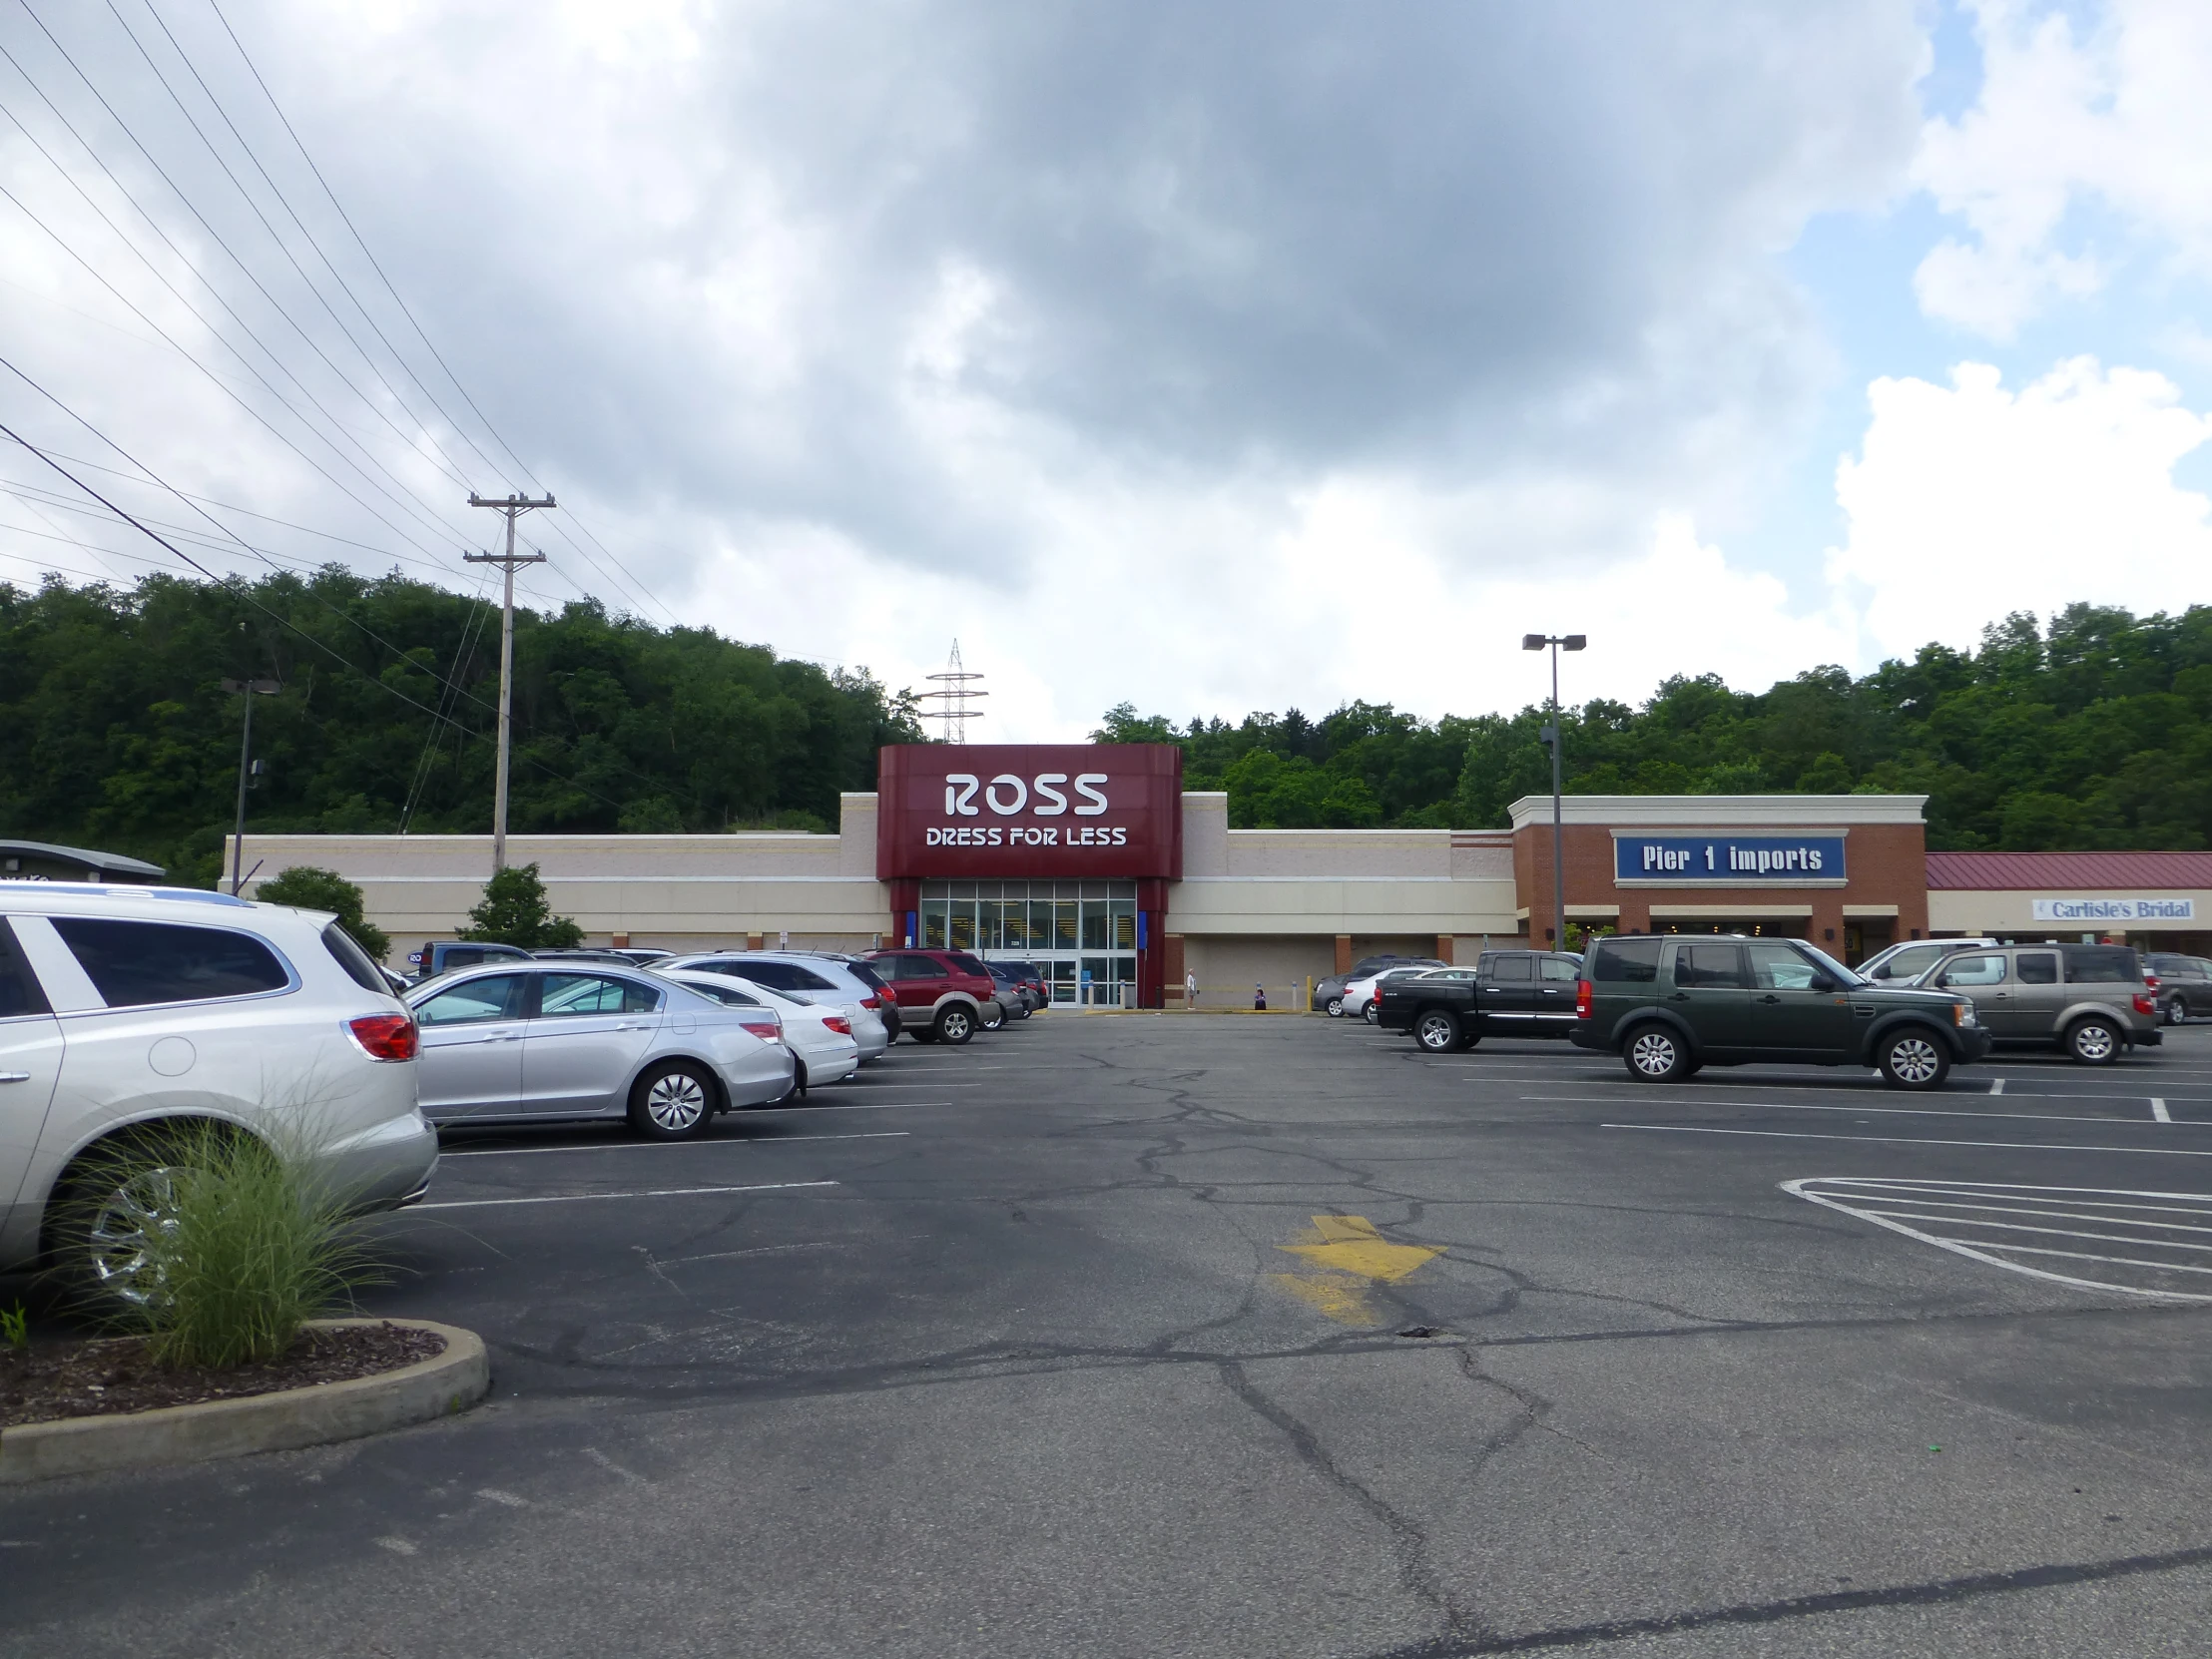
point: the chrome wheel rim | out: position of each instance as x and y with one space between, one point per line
1370 1014
955 1026
675 1102
1915 1060
1335 1007
123 1231
1435 1031
1652 1053
2093 1042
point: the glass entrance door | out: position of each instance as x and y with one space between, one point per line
1082 935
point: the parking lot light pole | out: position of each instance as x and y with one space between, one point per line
1550 735
251 689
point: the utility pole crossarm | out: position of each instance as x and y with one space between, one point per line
511 508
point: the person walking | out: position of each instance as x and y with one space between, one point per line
1189 990
1259 999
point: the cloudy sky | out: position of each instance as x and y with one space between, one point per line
1213 358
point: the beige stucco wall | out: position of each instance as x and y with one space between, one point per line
1954 910
1284 886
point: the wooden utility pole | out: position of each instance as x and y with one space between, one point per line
513 506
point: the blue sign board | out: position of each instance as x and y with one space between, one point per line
1728 860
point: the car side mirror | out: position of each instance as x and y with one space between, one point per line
1821 982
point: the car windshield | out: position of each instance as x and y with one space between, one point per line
1842 976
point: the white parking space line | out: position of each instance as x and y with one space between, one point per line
1881 1202
672 1146
2158 1110
593 1198
1908 1111
1908 1140
1996 1084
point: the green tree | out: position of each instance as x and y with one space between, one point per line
310 889
514 912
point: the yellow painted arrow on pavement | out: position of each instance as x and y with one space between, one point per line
1349 1255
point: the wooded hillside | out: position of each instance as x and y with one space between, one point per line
113 730
2096 732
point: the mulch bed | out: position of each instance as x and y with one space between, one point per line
80 1379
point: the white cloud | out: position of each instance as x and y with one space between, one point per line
2115 118
1969 501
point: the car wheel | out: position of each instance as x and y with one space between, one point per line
2176 1010
1914 1060
1372 1012
993 1021
1335 1007
954 1025
675 1100
1437 1031
108 1208
1655 1055
2093 1041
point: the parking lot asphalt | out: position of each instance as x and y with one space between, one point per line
1166 1335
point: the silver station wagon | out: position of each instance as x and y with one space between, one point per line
542 1041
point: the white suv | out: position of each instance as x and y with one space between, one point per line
125 1010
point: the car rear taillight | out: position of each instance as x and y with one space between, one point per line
2145 1005
765 1029
1582 994
384 1036
869 1002
837 1023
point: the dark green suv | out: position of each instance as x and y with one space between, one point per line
1669 1005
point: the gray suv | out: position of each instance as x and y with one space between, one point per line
2087 1000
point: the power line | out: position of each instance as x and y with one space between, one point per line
281 620
282 245
221 242
422 334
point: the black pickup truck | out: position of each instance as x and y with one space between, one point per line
1507 993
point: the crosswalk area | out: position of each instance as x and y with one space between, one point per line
2146 1243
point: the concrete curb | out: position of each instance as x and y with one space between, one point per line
282 1421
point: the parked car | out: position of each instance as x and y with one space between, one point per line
1357 1000
1013 991
864 1024
543 1040
1507 993
444 955
126 1013
1329 993
1669 1005
943 995
2184 986
613 958
1901 965
2089 1001
821 1039
804 973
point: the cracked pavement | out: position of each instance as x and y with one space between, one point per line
1019 1379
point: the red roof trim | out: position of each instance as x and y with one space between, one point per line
2069 872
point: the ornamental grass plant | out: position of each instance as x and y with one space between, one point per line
232 1246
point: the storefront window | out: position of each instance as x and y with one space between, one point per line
1081 934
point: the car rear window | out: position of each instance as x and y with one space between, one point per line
866 975
345 951
966 964
19 989
134 965
1625 961
2100 964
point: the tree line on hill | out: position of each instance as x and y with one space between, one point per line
2093 731
115 730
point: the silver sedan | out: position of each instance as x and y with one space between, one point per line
543 1042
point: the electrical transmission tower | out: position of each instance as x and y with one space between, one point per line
513 506
957 682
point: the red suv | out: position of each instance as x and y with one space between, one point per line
942 996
